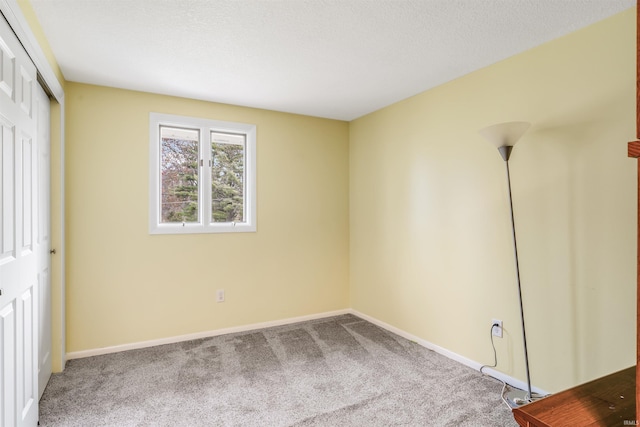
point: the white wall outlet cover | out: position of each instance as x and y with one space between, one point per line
496 328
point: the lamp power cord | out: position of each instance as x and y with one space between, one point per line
495 363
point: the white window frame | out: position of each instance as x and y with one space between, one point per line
204 224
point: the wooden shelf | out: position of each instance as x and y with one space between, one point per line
607 401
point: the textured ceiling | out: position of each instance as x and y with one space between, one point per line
329 58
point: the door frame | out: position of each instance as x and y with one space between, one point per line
49 81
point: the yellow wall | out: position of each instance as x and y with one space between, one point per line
430 233
126 286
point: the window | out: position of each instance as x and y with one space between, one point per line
202 175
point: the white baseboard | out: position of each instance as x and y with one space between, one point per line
198 335
188 337
450 354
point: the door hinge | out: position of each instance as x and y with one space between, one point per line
52 251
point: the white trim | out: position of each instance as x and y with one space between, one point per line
205 223
63 242
198 335
450 354
18 23
207 334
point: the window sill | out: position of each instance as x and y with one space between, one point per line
202 229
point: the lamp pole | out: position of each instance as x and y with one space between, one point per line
505 151
504 136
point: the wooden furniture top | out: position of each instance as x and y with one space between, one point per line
607 401
633 149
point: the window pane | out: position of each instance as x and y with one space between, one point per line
179 167
227 177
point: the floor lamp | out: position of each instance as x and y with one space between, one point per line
504 136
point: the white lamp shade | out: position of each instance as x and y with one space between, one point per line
505 133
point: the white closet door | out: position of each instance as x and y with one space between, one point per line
18 235
43 240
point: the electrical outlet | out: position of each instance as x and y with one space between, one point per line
496 331
220 295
